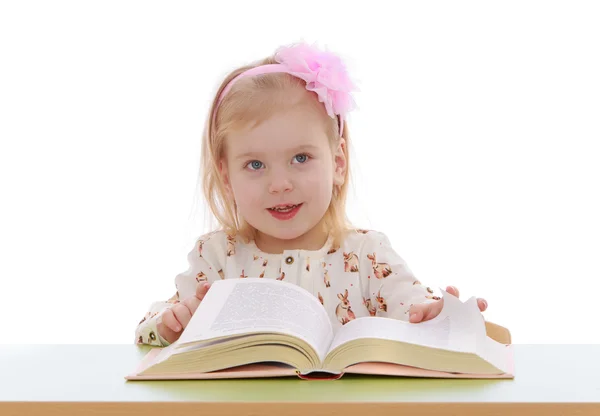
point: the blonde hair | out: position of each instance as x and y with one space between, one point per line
251 101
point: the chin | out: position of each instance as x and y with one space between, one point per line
282 231
285 233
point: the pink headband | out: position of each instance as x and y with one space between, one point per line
324 73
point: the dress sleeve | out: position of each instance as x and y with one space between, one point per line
392 287
205 262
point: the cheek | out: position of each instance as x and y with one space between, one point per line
246 192
320 181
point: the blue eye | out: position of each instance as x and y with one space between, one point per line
255 164
301 158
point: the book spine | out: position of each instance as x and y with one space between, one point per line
319 376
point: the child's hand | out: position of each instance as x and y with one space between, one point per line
426 311
173 321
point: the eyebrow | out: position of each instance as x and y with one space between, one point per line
305 147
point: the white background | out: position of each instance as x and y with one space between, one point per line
475 150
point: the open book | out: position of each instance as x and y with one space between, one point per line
254 327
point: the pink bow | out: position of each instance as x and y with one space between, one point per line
324 73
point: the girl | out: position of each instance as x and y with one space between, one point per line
275 173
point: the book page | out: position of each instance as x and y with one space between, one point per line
433 335
498 354
457 328
254 305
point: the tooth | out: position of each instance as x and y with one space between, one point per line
284 208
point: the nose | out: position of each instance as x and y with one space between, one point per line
279 182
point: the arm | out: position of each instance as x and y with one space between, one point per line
203 261
392 287
147 331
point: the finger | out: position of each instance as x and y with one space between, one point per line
434 310
169 319
453 290
182 313
194 301
201 290
419 312
482 303
416 314
164 331
425 312
167 334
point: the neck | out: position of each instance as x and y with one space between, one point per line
312 240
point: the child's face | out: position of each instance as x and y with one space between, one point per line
288 159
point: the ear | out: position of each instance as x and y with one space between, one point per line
339 163
224 172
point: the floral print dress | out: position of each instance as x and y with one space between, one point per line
362 277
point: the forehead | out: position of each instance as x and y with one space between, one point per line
284 130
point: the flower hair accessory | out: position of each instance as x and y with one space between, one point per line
323 72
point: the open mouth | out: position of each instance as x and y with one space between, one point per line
284 208
284 212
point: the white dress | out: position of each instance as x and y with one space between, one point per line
364 276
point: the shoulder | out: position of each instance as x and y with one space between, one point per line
215 237
211 244
358 239
219 242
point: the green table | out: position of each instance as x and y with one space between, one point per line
69 379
